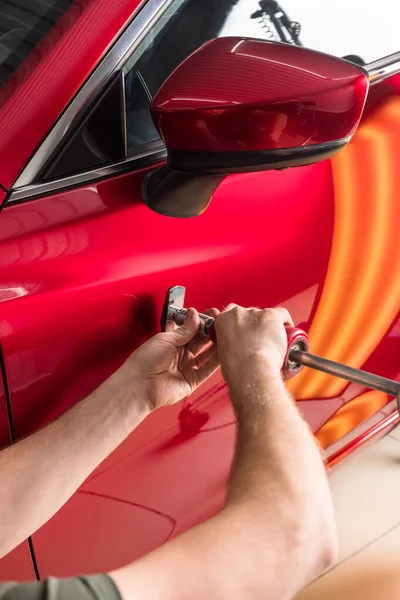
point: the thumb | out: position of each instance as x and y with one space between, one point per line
185 333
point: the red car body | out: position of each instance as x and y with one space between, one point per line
84 267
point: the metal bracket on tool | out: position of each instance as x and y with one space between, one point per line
173 307
298 355
173 310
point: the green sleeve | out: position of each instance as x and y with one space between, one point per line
96 587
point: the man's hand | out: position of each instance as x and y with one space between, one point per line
171 365
44 470
276 531
251 335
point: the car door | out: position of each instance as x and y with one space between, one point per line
18 564
85 266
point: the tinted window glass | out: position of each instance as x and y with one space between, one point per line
23 23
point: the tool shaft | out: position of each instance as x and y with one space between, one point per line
297 351
178 315
375 382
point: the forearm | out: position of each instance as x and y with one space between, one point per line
40 473
267 541
278 474
273 439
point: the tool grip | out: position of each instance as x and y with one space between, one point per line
207 327
212 333
297 339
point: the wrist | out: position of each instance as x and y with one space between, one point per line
137 404
253 387
129 395
255 366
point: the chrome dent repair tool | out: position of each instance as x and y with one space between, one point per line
297 356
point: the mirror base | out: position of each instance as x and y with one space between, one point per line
177 194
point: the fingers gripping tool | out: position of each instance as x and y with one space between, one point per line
298 346
173 310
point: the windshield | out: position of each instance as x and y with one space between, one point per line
23 24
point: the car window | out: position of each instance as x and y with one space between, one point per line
23 24
348 29
183 26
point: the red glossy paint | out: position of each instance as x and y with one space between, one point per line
76 302
5 438
33 98
17 566
236 94
79 303
83 276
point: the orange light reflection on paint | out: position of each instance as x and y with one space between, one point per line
349 416
361 294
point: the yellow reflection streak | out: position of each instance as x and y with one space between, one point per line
349 416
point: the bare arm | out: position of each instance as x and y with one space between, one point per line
276 531
40 473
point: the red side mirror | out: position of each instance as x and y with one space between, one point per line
238 105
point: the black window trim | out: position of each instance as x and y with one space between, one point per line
26 186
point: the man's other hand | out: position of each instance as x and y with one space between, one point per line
171 365
249 335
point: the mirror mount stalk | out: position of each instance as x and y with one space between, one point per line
176 194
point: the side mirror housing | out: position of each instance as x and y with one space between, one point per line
239 105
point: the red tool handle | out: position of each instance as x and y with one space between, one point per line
298 356
297 340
